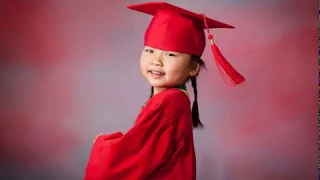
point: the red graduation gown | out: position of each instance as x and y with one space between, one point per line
158 147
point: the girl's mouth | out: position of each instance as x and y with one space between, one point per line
157 72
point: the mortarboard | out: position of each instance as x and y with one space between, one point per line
176 29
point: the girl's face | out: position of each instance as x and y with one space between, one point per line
164 69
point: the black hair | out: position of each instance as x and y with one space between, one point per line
195 109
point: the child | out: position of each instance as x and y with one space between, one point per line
160 144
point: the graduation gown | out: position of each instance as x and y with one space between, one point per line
158 147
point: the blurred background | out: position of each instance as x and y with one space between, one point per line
69 70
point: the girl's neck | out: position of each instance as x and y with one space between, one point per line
157 90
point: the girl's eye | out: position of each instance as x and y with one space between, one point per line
149 50
170 54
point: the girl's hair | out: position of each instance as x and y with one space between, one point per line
195 109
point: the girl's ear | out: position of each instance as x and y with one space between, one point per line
195 68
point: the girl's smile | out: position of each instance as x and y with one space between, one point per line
156 74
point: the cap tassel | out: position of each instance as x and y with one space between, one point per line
230 76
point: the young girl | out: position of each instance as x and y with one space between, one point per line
160 144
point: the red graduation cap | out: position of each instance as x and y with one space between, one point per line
176 29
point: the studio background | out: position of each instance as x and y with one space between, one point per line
69 70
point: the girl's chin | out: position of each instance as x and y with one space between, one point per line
156 84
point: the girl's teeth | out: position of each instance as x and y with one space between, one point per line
156 72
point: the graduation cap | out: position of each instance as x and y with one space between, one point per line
175 29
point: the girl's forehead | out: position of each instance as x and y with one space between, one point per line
164 50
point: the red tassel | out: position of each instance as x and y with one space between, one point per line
229 74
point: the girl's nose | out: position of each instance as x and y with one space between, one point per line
156 61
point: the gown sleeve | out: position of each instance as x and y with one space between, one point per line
105 137
92 167
143 149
